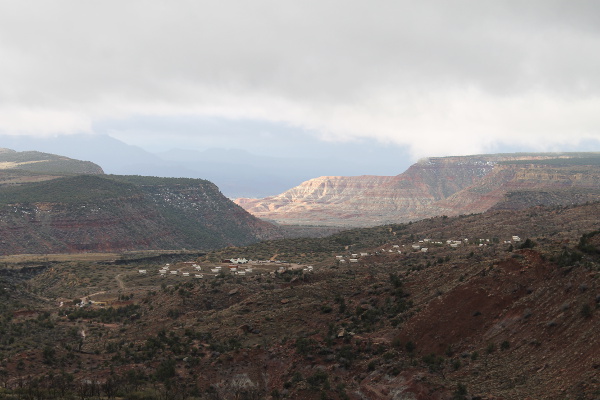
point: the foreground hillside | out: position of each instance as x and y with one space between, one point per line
482 314
120 213
437 186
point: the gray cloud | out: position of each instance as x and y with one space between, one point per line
440 77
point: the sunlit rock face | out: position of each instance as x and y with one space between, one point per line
435 186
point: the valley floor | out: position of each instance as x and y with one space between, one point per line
492 317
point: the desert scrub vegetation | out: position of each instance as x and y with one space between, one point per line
104 315
304 250
68 190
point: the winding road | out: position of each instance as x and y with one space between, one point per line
120 281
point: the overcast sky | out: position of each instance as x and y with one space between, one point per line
429 77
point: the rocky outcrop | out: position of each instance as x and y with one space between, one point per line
434 186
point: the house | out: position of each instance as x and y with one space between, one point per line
199 276
516 239
354 260
173 272
142 271
424 249
186 274
364 254
416 246
215 270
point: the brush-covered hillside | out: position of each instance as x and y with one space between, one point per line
46 163
503 305
119 213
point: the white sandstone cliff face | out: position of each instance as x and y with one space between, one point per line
433 186
369 200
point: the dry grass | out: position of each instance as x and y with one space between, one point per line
40 258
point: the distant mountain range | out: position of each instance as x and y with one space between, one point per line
437 186
237 173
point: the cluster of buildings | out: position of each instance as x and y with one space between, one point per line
423 246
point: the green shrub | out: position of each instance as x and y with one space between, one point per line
527 244
586 311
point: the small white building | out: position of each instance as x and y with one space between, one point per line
516 239
424 250
142 271
354 260
186 274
